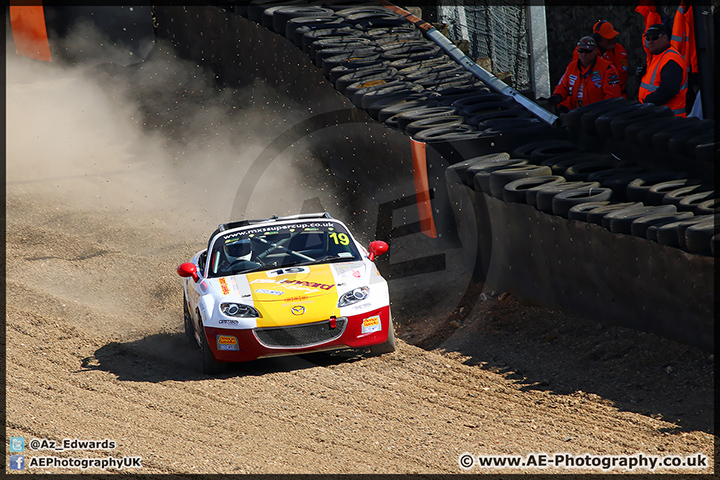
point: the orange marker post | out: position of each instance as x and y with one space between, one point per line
422 189
29 31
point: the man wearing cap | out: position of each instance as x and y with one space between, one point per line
587 80
605 37
664 77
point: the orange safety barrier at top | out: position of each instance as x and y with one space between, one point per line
29 31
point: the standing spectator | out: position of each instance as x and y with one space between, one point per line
587 80
683 40
664 77
605 36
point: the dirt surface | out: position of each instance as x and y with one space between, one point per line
96 224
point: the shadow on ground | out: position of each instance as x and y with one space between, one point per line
164 356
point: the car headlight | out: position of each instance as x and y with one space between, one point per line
238 310
353 296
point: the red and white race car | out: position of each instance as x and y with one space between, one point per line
285 286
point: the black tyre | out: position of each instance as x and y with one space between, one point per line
560 163
621 221
350 60
509 124
443 133
410 116
210 366
283 15
650 111
419 51
500 178
640 227
267 17
389 346
189 329
371 83
460 172
580 211
691 202
516 191
415 72
349 84
522 127
441 79
541 196
636 190
297 27
656 194
256 8
544 150
698 237
510 113
602 123
596 215
674 197
564 201
678 142
673 234
388 95
707 153
448 95
603 176
637 131
588 118
332 30
582 171
357 96
405 65
499 105
350 49
338 43
708 207
572 118
399 107
660 139
418 126
482 171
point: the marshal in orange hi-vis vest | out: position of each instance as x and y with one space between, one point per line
653 76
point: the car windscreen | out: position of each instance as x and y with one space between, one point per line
266 247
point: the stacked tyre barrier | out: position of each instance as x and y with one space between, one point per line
383 64
608 213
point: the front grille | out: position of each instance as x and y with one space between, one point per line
298 336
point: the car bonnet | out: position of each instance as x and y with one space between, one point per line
295 295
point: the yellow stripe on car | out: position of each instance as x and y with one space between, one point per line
294 296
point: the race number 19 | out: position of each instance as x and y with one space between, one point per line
340 238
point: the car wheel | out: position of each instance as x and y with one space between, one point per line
388 346
189 329
210 366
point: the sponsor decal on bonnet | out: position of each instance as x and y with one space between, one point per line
269 292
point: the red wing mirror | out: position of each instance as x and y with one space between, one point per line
188 270
378 247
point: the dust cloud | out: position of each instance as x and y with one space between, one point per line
156 139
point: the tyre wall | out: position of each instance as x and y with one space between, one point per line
610 272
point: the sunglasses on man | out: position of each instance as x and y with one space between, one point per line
585 50
652 38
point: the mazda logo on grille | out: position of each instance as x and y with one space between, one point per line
297 310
